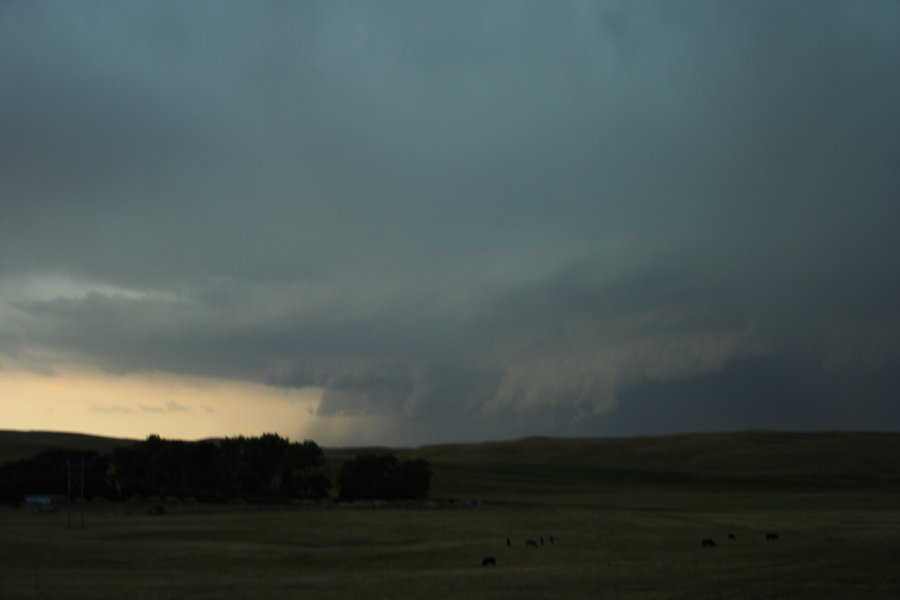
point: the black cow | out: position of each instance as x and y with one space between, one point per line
708 543
508 543
488 561
772 536
531 544
731 536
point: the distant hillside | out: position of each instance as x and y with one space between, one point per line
22 444
780 459
541 465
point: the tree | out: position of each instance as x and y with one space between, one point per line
262 468
414 479
367 476
317 486
306 460
382 476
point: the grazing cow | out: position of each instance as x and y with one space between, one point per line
551 540
531 544
542 541
508 543
731 536
772 536
708 543
488 561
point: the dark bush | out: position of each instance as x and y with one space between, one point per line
382 476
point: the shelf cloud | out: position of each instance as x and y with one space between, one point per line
458 221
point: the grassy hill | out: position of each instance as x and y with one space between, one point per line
775 459
22 444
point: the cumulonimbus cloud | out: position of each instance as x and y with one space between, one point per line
430 211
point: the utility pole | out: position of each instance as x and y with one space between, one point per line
82 493
69 493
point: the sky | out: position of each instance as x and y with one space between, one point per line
405 222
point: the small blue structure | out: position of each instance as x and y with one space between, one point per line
40 501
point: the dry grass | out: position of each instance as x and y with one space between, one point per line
627 517
247 552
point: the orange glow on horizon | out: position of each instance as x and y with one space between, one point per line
135 405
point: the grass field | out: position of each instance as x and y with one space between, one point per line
247 552
622 529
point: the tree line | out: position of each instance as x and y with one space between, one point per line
264 469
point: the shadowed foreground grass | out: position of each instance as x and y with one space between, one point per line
827 549
627 516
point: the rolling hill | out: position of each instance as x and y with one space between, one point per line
783 459
739 460
23 444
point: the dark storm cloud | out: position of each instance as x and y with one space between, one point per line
520 215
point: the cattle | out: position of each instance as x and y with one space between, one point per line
731 536
542 541
772 536
508 543
708 543
156 510
488 561
551 540
531 544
